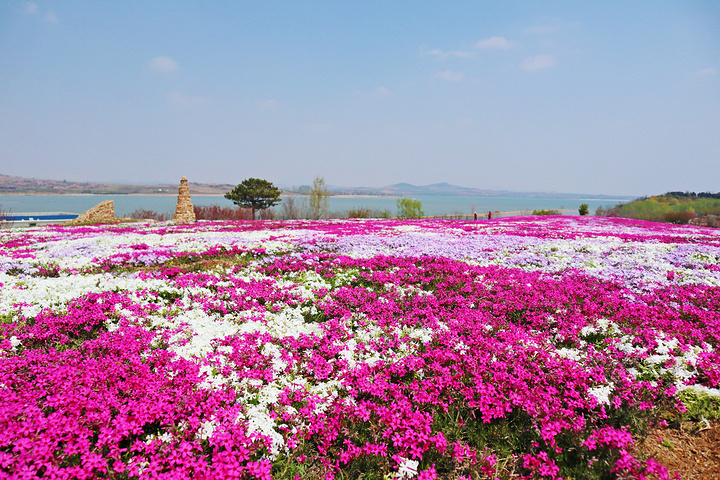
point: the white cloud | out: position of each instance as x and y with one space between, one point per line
707 72
50 17
443 54
162 65
31 8
496 43
538 62
179 98
450 76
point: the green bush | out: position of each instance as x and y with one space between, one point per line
584 209
700 405
409 208
546 212
679 218
367 212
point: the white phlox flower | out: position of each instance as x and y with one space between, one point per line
15 342
407 468
570 353
602 393
207 428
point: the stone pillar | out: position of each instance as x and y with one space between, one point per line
184 212
101 213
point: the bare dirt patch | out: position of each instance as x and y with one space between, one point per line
692 450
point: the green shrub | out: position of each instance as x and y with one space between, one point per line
584 209
359 213
367 212
409 208
546 212
679 218
700 405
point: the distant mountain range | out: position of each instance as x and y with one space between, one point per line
33 186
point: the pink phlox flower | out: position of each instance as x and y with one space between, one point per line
429 474
542 464
609 436
376 449
652 467
489 469
260 469
550 429
626 462
440 442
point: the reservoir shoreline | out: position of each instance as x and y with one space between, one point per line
432 205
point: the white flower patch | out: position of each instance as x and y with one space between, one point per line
290 322
326 391
348 353
424 335
202 330
602 393
258 420
407 228
625 345
310 280
602 326
713 392
273 352
14 342
461 347
207 428
571 354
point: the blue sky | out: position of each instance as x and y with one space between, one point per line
612 97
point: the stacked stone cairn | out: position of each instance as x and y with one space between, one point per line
184 212
103 212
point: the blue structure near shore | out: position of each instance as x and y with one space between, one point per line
40 218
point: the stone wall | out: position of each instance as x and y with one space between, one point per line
101 213
184 212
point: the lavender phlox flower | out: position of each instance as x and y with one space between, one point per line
18 266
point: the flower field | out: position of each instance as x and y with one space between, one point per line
516 348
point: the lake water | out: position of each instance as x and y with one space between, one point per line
431 204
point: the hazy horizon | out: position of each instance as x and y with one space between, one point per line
615 98
334 188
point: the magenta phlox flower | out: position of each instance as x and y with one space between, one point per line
541 464
609 436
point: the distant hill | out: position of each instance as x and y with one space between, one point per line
34 186
672 207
